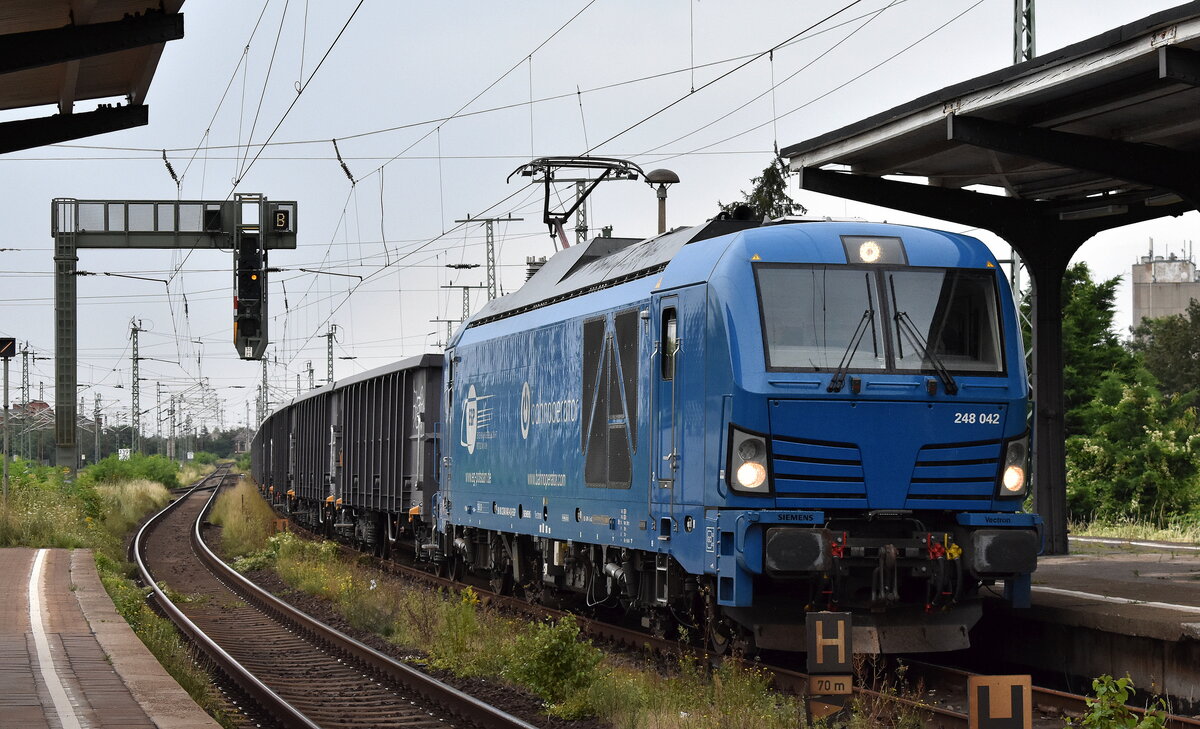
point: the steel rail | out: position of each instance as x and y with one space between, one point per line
271 702
448 698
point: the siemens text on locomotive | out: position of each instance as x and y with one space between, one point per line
722 428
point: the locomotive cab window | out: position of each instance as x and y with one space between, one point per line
950 315
670 343
817 317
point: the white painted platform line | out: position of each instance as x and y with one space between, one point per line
1117 600
58 692
1119 542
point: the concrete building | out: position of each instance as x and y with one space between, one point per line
1164 285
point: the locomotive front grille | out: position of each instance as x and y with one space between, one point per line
954 472
811 472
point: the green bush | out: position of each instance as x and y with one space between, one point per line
1140 457
204 458
553 661
152 468
1109 711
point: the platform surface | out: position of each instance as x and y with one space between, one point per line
68 660
1107 608
1149 590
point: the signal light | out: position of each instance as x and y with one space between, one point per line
250 297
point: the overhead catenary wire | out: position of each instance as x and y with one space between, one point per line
440 157
837 88
464 114
719 78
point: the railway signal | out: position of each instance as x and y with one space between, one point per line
225 225
249 298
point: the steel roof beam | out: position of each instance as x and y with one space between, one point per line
1179 64
1017 221
27 133
19 51
1143 164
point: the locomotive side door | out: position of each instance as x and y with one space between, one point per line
667 374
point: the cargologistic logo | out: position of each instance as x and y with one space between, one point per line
545 412
476 420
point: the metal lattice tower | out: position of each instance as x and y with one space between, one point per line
466 291
491 247
171 429
581 226
25 396
262 393
96 427
25 375
1023 31
135 327
449 329
329 338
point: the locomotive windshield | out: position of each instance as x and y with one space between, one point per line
811 314
954 311
935 318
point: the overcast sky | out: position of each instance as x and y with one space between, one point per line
386 89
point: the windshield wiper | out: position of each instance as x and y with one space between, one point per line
839 374
915 337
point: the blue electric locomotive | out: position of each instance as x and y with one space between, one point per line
722 428
729 425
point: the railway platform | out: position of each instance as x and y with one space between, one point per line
68 660
1110 607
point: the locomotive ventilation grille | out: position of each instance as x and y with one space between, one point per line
964 472
811 472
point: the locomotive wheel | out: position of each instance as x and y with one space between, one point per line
662 624
720 636
500 575
455 567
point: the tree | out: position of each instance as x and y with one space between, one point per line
1140 456
769 197
1091 348
1170 347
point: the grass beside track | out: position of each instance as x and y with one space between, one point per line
44 510
459 633
1171 530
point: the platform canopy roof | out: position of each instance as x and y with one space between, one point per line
59 52
1097 135
1105 128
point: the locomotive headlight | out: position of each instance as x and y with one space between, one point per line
1014 479
751 475
747 463
869 251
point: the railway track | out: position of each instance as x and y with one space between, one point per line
299 671
944 688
